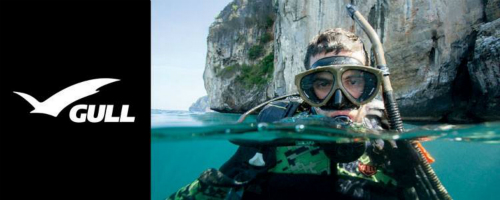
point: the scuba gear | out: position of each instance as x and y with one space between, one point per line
378 51
327 85
342 118
309 170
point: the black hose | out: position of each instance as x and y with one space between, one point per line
393 112
442 193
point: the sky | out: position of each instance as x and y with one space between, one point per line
179 31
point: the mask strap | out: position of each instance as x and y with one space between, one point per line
336 60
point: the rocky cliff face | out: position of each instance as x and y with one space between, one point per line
484 70
240 57
431 48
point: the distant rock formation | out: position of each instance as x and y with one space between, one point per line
439 52
201 105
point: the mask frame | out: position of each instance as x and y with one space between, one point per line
337 71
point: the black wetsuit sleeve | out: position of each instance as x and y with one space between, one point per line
277 110
237 162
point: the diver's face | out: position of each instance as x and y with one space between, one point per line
350 81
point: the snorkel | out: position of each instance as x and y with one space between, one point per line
428 186
388 94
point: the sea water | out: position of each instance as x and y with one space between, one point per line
184 144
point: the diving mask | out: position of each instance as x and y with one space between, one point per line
358 83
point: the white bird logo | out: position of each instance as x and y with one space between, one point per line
57 102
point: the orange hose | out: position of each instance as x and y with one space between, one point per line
426 154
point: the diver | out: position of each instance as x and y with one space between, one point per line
337 83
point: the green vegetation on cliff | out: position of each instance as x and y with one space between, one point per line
259 74
252 75
255 51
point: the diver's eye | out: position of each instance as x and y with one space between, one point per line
353 81
322 83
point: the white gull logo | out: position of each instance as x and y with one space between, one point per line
57 102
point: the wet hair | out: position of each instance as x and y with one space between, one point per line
334 40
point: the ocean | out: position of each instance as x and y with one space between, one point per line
184 144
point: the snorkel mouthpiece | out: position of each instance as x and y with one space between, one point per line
343 120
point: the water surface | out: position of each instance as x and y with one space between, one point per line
184 144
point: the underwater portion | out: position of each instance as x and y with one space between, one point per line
184 144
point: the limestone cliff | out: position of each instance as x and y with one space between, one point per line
484 70
240 56
430 46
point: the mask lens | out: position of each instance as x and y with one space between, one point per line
361 85
317 86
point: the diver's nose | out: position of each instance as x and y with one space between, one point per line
337 98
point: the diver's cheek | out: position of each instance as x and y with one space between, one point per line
320 94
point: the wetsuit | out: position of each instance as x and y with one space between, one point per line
299 172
